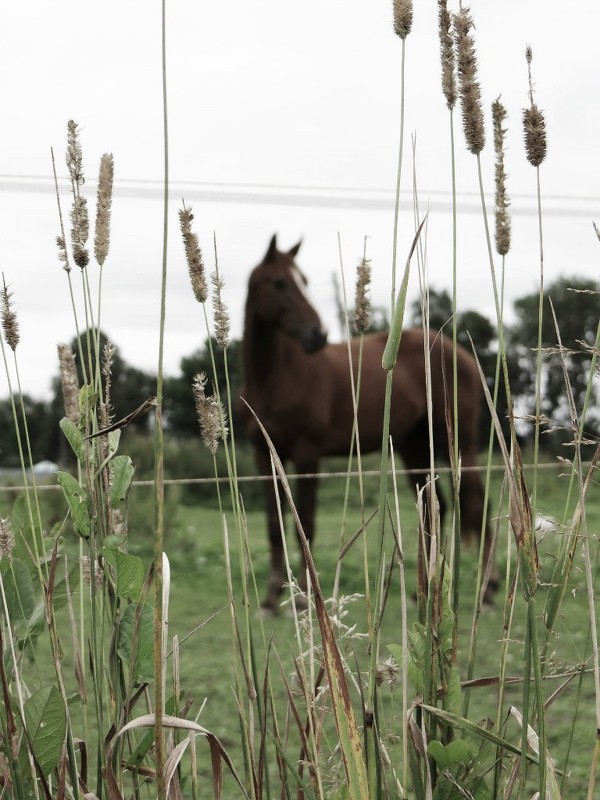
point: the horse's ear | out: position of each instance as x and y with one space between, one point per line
294 251
272 248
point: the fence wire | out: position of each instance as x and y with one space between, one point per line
295 476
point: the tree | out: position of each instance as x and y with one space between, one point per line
575 303
42 428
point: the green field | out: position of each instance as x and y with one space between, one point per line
200 617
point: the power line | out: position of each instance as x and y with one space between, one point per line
310 196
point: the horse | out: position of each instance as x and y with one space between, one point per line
299 387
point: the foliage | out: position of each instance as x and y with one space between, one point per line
575 303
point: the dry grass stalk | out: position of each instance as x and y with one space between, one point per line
469 89
362 306
69 382
10 326
534 124
447 54
7 539
403 17
193 255
210 412
502 202
221 314
103 207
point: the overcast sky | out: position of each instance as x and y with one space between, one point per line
283 117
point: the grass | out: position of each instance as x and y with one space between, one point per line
200 618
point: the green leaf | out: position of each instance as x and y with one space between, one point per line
459 751
76 439
19 590
77 499
143 666
121 474
451 700
130 575
113 542
46 723
438 752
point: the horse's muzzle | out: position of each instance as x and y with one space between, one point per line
314 339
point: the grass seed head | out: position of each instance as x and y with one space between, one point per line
502 233
80 231
10 325
74 155
193 254
7 539
221 314
469 89
534 130
447 54
210 412
69 382
103 208
534 124
362 305
63 256
403 17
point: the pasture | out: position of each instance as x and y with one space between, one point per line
210 654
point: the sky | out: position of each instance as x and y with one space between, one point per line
282 118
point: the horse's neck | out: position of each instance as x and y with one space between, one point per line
263 349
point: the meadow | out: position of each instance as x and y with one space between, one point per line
135 660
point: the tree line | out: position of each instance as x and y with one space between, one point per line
570 318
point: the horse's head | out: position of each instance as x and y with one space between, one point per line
277 296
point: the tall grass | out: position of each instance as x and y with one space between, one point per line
111 720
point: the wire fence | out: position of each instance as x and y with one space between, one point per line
4 488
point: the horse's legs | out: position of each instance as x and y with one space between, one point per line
277 573
414 450
306 460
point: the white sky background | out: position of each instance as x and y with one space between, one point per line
272 93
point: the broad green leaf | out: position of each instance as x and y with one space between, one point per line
130 575
459 751
19 590
121 474
143 667
77 499
113 542
76 439
46 724
438 752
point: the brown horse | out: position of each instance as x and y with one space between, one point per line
299 387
